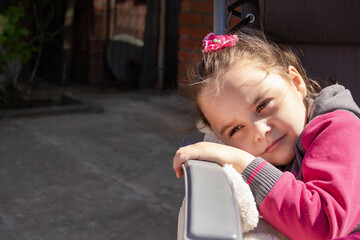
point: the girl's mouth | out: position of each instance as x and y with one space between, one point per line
274 145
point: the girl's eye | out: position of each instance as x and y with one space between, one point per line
234 130
262 105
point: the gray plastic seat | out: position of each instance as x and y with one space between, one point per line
211 210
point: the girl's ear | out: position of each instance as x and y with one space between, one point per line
297 81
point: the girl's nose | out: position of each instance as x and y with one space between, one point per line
261 129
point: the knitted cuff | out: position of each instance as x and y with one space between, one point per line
261 176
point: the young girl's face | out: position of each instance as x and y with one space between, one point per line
258 112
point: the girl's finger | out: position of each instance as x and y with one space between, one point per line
179 158
177 165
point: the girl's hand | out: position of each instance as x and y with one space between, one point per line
213 152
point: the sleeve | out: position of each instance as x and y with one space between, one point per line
326 204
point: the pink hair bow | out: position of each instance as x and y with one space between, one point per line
212 42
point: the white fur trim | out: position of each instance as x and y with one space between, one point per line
247 207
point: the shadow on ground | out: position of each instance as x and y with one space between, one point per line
94 176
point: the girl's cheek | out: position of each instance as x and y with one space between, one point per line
240 142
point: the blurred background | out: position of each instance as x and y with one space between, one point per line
92 110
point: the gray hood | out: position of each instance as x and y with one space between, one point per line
332 98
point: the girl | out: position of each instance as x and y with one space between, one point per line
296 147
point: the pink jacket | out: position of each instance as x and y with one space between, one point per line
325 202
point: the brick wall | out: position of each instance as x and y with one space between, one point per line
195 22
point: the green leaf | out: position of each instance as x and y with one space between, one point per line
13 37
3 22
10 29
24 32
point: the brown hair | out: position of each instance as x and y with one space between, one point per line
252 48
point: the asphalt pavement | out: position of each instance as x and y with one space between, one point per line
94 175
